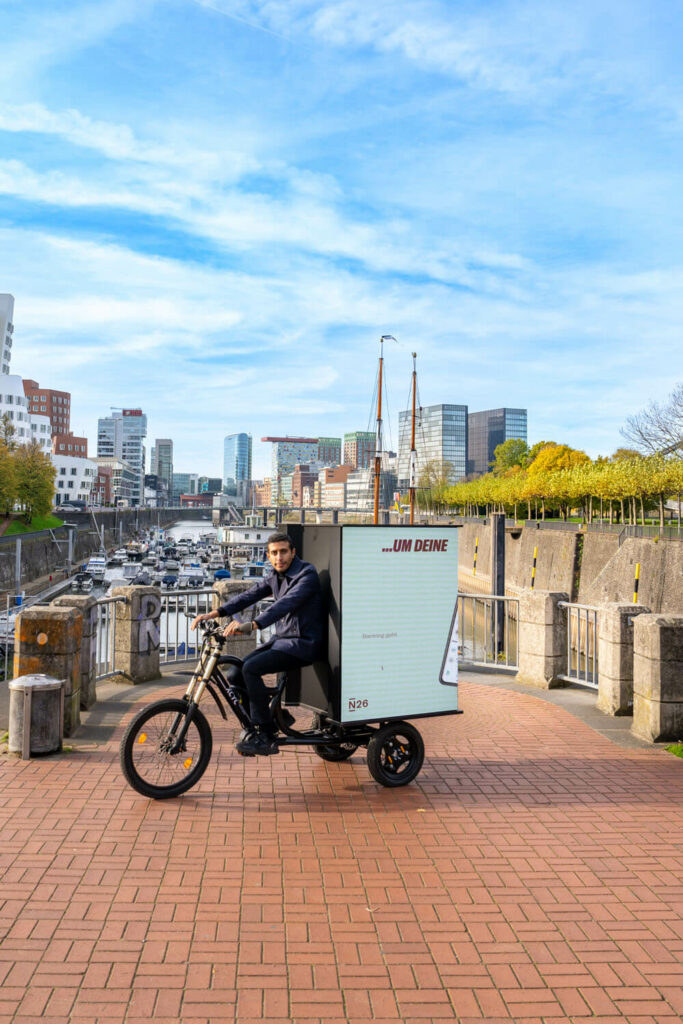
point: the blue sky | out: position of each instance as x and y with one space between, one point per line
213 210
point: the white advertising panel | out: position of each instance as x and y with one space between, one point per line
399 623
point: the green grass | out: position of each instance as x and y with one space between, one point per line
676 749
37 523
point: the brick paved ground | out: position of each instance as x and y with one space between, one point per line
533 873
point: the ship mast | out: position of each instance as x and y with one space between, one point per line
378 432
413 454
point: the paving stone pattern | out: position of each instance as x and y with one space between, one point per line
533 873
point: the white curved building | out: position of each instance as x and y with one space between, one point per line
6 330
41 431
14 404
75 478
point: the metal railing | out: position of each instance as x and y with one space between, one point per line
582 644
7 639
178 608
106 636
488 630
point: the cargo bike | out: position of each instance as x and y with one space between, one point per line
167 747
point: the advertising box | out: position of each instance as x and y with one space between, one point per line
391 599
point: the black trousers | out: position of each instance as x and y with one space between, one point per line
257 664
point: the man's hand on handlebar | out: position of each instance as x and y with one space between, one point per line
239 627
201 618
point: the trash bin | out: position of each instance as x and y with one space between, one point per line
36 715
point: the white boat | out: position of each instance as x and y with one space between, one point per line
82 582
96 567
130 570
256 570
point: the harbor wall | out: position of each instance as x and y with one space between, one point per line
44 554
593 568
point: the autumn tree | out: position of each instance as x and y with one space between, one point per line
511 453
8 480
35 480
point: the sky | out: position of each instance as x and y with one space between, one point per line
213 209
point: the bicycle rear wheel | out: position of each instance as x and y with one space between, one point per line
145 754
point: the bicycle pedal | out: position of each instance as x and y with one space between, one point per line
242 754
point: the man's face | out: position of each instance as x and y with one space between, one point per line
280 555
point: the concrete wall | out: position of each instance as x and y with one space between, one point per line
40 556
592 567
661 573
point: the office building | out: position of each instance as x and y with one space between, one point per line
48 402
68 444
125 482
237 465
440 437
162 462
288 452
6 331
329 451
74 480
359 449
183 483
487 430
121 436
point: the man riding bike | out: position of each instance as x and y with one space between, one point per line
297 613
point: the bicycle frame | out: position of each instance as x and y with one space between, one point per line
207 673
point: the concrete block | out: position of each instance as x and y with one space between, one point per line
44 628
657 680
656 720
72 712
615 657
136 647
658 677
542 639
88 660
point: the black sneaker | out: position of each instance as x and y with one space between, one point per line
246 735
262 743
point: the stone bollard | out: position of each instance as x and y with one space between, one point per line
48 642
615 657
136 645
222 590
658 677
542 639
87 606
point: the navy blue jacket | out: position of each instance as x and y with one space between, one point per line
297 609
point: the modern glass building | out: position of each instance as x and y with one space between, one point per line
183 483
162 460
440 436
120 436
237 465
487 430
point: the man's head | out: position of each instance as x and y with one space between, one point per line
280 551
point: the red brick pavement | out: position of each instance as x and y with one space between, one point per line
533 873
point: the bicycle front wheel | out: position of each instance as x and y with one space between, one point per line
146 759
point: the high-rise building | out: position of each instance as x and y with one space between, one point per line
6 330
162 462
48 402
487 430
329 451
288 452
359 449
237 465
121 436
440 436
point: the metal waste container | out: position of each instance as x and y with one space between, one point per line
36 715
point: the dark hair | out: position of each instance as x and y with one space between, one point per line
278 538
